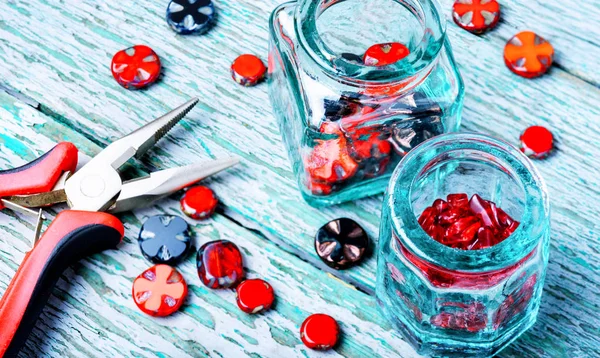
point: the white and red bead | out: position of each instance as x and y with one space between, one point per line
537 142
476 16
254 296
159 291
199 202
135 67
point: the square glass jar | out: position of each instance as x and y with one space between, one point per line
452 302
346 124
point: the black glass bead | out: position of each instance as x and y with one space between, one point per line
341 243
350 57
165 239
190 16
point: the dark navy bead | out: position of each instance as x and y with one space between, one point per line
350 57
341 243
189 16
165 239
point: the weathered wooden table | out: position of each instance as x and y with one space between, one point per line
54 59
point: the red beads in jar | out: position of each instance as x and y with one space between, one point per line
467 224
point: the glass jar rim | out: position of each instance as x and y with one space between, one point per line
410 69
509 252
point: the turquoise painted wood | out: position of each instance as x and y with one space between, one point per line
63 70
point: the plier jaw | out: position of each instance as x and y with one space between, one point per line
83 230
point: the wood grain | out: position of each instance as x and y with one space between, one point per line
66 69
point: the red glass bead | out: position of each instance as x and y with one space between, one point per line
159 291
135 67
528 55
248 70
330 161
319 331
199 202
220 264
254 296
385 54
467 224
458 200
537 142
476 16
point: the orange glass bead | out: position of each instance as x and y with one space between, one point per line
159 291
476 16
528 55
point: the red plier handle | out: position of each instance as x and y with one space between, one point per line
71 236
40 175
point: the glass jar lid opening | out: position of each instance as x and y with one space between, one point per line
472 164
334 33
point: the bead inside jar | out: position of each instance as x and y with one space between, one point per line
445 297
355 85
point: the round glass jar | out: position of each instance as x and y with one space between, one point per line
452 302
347 124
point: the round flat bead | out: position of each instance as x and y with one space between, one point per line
190 16
341 243
159 291
199 202
165 239
320 331
135 67
220 264
476 16
385 54
254 296
248 70
537 142
528 55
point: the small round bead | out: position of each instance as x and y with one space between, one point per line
135 67
537 142
248 70
385 54
476 16
528 55
165 239
159 291
341 243
220 264
199 202
254 296
320 331
186 16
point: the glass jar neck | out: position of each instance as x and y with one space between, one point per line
534 216
413 68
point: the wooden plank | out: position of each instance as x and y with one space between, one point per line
571 26
91 312
68 73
